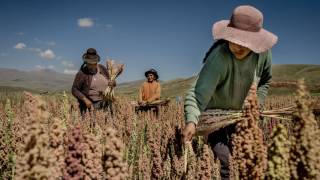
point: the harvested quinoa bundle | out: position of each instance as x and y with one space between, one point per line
114 70
36 159
249 151
278 154
113 163
305 150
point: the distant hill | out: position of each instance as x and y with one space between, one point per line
41 80
49 80
170 88
292 72
281 73
129 89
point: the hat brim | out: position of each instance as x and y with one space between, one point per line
150 72
258 42
91 59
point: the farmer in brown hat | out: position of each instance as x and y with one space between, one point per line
240 55
150 90
90 83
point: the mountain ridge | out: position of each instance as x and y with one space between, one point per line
50 80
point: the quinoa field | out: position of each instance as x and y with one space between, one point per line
44 137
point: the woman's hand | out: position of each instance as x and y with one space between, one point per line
87 102
188 131
112 83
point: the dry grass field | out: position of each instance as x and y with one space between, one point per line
44 137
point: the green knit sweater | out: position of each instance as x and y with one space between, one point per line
224 81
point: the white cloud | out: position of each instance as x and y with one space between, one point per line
85 22
41 67
69 67
20 46
20 33
47 54
68 64
70 71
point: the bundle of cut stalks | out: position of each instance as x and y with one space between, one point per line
213 120
114 70
159 102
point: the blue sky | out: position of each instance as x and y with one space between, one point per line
170 36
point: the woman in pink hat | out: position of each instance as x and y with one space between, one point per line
240 54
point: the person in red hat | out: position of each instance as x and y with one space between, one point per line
90 83
240 55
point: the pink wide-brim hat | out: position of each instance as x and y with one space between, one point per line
245 28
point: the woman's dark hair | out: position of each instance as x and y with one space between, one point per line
214 45
83 65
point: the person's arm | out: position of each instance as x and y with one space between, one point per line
198 97
265 80
157 94
77 83
76 90
140 93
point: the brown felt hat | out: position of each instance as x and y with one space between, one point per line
245 28
91 56
152 71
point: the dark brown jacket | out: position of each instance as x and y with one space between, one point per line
82 81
